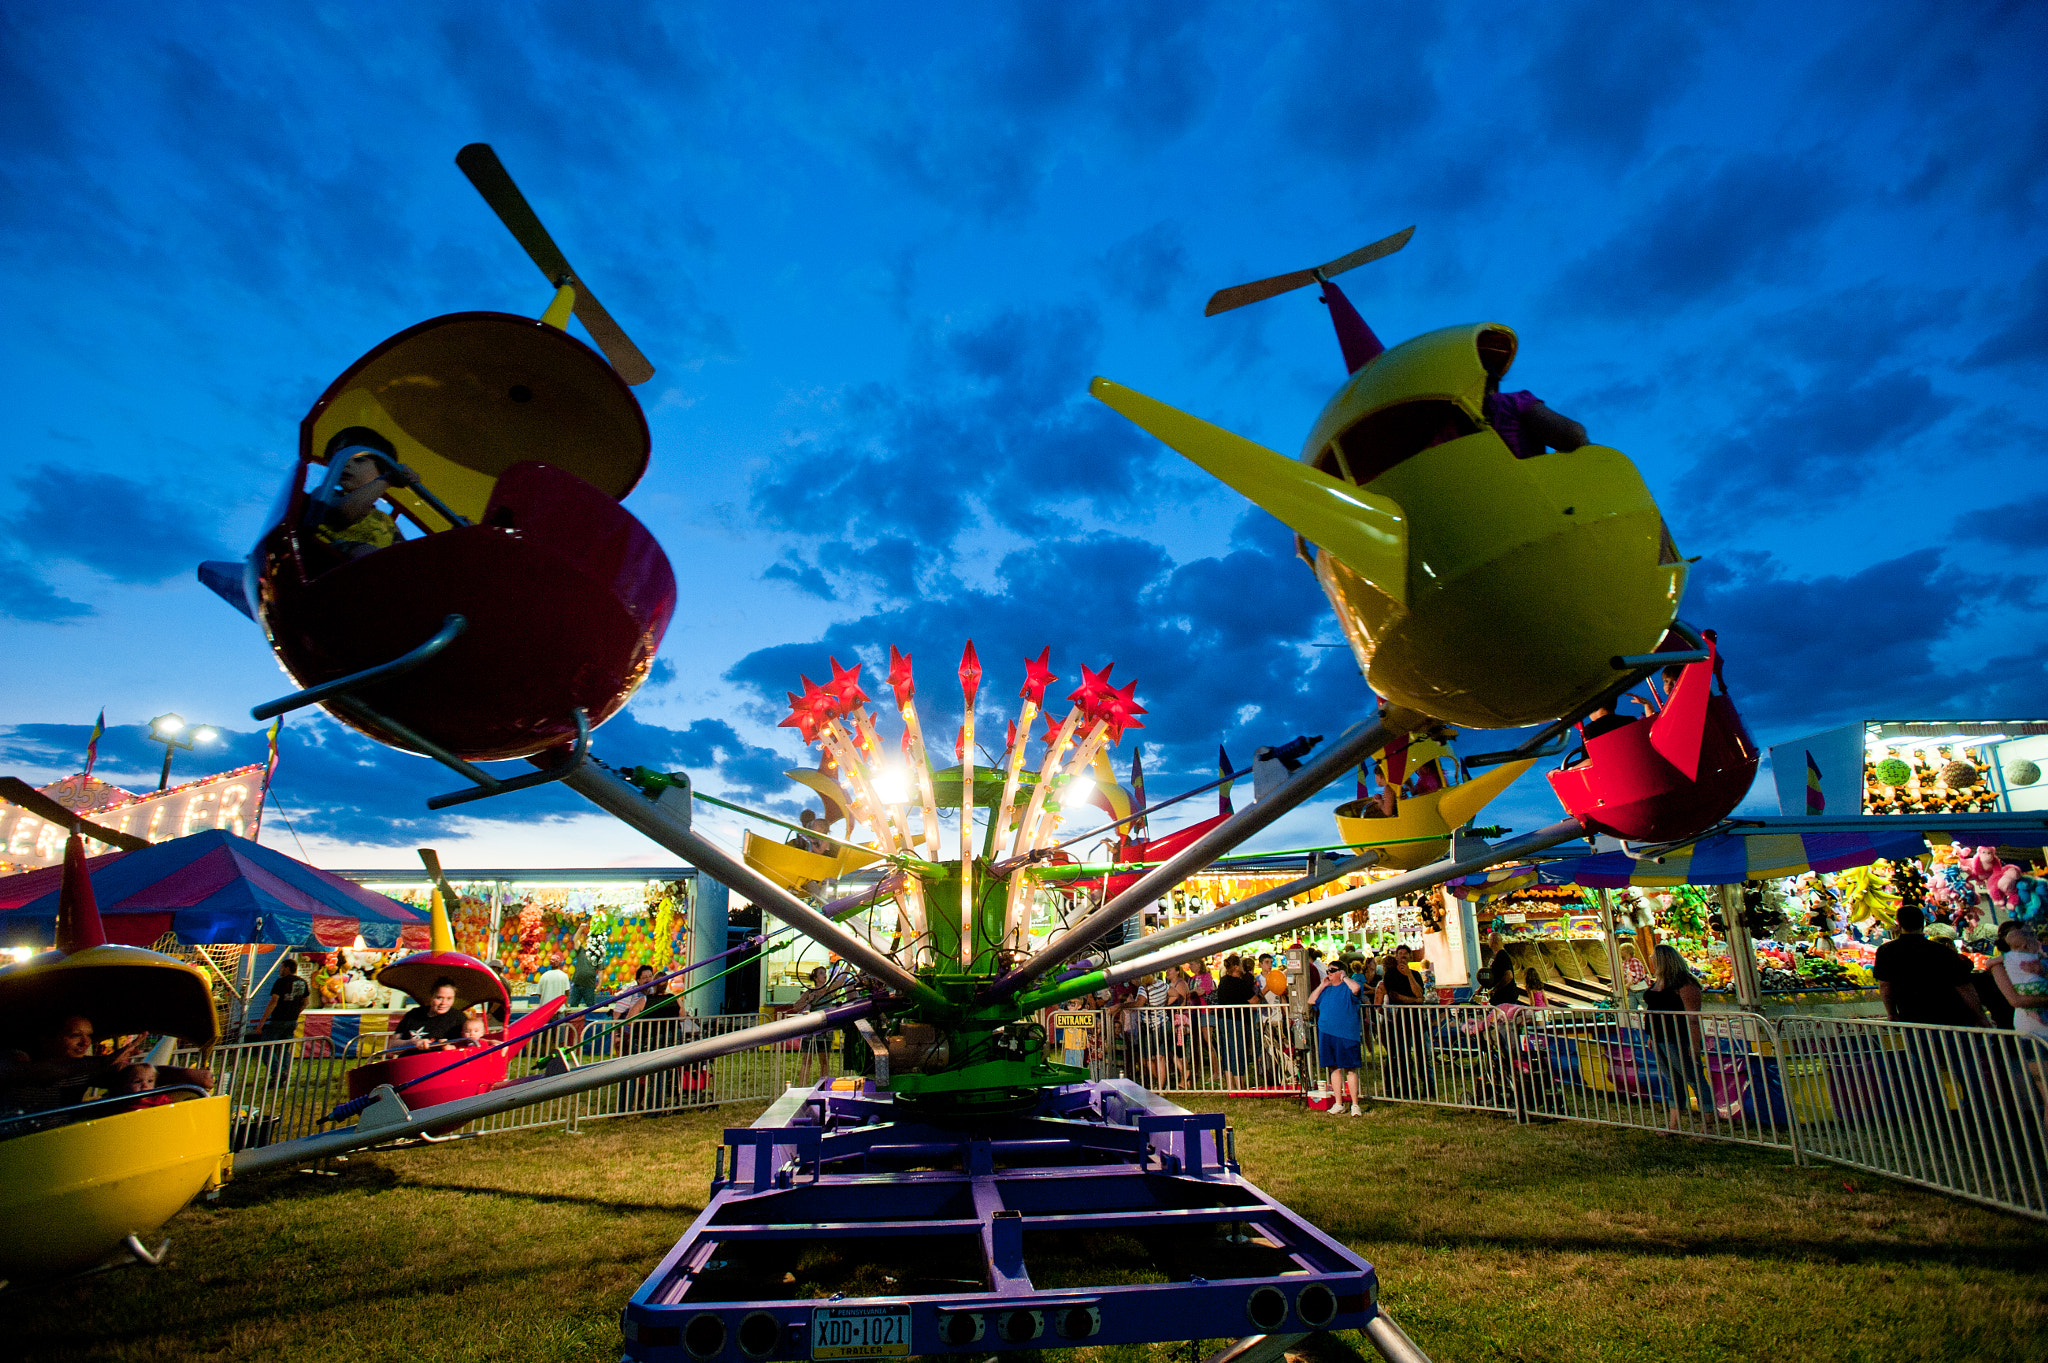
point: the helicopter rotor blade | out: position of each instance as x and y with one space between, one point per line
432 860
1223 300
16 791
495 183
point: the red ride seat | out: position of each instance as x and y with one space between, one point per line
1669 775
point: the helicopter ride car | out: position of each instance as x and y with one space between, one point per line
428 1076
1480 580
82 1183
505 444
1674 771
1424 795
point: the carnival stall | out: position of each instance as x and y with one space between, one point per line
518 920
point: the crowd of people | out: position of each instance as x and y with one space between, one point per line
1159 1030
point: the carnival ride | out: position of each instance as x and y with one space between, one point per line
90 1181
1477 588
427 1076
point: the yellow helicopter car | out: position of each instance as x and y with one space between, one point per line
1410 821
79 1183
1480 583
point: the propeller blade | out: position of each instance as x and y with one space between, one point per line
494 182
432 860
1385 246
16 791
1223 300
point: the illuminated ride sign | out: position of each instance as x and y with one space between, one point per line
230 800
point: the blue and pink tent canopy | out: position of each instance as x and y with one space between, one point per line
212 887
1761 853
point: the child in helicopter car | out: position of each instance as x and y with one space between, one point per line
1524 424
356 526
139 1079
474 1026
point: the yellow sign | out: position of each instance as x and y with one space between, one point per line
1074 1028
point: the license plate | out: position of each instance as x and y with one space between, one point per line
860 1332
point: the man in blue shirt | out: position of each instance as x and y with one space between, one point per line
1335 1002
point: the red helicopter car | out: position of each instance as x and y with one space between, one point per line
504 444
1672 772
426 1077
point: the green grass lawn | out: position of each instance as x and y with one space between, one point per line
1552 1242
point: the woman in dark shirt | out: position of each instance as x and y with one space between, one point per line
1673 1007
1233 1026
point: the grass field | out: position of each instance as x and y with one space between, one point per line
1552 1242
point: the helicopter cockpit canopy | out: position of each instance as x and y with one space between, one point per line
1420 393
462 398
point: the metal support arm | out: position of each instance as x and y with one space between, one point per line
390 1120
1334 761
1434 874
664 817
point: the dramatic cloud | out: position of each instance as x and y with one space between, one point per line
1601 72
1217 646
1144 268
1810 448
1746 220
999 432
1863 644
25 596
131 531
2024 339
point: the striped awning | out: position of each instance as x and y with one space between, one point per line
1732 858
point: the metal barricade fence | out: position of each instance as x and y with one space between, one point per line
752 1075
1959 1109
278 1090
283 1090
1227 1048
1717 1075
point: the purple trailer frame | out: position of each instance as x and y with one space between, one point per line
1105 1215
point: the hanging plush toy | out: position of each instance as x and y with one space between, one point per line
2029 898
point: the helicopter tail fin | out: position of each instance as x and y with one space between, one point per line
225 581
1361 347
1367 532
1461 802
1237 296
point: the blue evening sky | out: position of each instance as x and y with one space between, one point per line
1791 260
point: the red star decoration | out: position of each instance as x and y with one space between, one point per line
900 680
970 674
1093 690
1052 727
1121 709
1010 739
802 716
845 688
1037 676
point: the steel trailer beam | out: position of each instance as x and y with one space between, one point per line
389 1119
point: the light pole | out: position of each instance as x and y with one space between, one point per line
171 731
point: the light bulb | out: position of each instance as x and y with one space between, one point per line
1075 796
892 785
